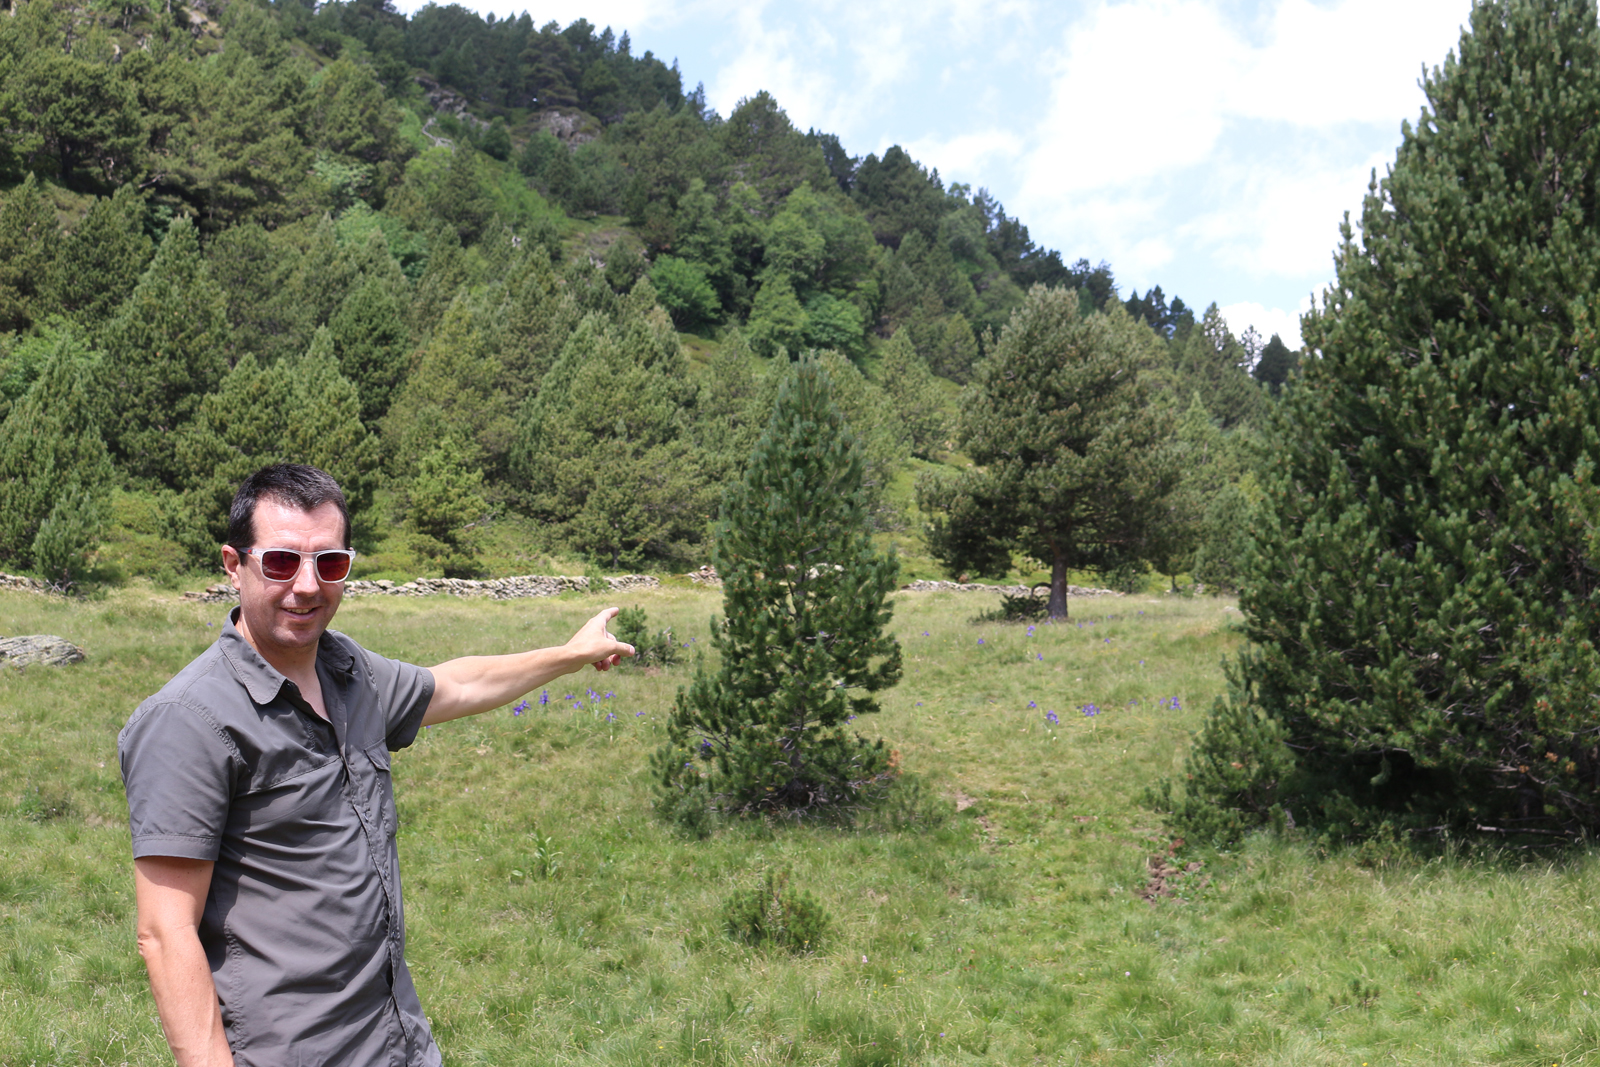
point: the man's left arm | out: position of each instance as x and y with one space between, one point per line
474 684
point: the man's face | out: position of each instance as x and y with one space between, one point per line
286 618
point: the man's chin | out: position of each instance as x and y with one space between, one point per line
299 629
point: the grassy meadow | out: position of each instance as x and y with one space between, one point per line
553 920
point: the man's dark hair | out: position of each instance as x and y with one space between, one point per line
290 484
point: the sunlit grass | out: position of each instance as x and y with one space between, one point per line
1010 931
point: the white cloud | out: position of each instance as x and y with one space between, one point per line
1281 216
1267 321
1132 150
836 64
964 152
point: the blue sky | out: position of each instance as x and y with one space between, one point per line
1207 146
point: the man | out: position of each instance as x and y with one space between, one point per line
265 868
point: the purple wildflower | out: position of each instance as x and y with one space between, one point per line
1090 711
520 708
544 697
1052 717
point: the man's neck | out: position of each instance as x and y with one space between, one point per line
299 665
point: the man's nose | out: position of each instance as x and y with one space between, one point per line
305 579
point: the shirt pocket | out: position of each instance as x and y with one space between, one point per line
382 788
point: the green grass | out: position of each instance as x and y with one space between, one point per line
1010 931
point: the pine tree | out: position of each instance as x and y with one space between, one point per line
802 639
1073 461
100 262
372 345
1277 364
164 351
776 320
1211 361
442 501
730 409
915 397
1421 605
455 387
29 238
55 474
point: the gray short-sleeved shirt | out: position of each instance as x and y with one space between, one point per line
303 924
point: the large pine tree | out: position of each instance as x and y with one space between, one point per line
802 641
1424 605
1072 459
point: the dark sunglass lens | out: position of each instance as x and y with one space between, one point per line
333 566
280 565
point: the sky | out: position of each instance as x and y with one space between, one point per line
1211 147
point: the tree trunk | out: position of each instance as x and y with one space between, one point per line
1058 587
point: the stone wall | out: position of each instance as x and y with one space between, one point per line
520 587
923 585
26 585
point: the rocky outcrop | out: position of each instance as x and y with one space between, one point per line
923 585
571 130
46 650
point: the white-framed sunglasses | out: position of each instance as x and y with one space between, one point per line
332 565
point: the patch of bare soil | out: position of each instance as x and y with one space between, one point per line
1166 874
990 831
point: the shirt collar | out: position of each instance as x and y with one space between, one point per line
261 679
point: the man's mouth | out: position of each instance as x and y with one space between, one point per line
301 613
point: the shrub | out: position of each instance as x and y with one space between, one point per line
649 649
772 914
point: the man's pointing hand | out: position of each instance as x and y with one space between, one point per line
593 643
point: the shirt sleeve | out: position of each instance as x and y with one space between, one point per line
179 775
404 692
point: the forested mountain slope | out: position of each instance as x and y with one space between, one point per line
493 276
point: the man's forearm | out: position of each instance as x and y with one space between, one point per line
186 998
473 684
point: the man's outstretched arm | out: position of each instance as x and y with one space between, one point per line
473 684
170 894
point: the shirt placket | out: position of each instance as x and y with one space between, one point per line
359 784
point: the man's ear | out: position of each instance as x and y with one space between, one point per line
230 563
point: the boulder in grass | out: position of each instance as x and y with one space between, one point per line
46 649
